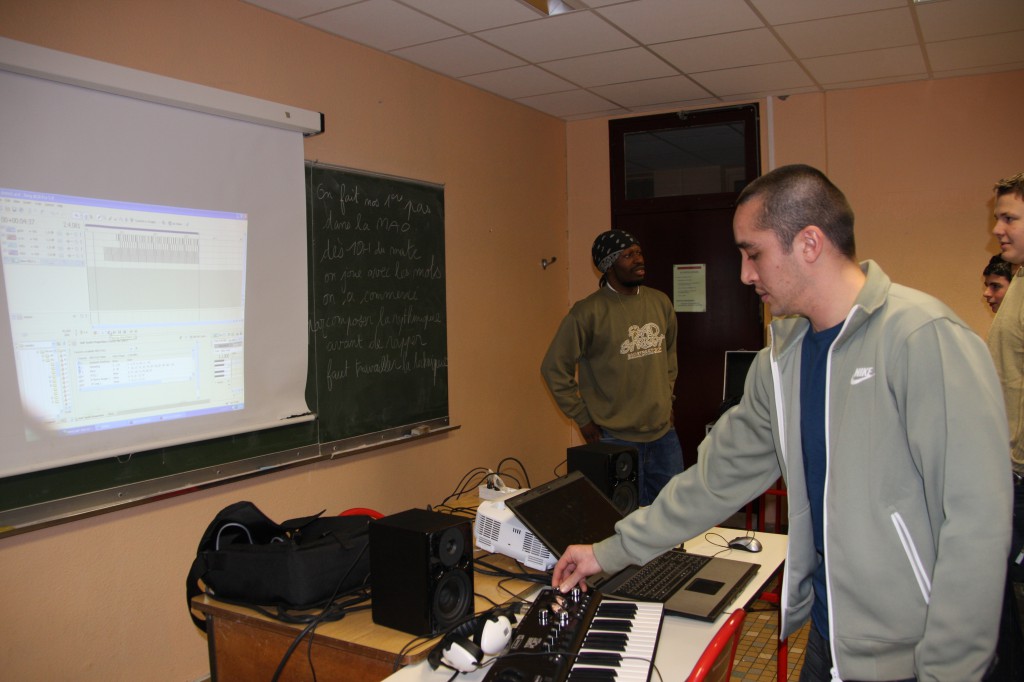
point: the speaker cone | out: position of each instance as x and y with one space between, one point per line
625 497
624 465
450 547
452 598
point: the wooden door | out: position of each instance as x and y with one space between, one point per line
675 178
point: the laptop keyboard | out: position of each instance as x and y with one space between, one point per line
660 577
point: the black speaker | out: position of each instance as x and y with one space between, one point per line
612 468
421 571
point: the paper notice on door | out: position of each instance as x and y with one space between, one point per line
689 288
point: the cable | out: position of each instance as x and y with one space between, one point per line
498 572
526 475
416 641
291 649
335 612
470 482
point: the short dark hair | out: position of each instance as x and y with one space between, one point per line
998 267
1011 185
796 196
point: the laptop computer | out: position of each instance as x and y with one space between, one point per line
572 510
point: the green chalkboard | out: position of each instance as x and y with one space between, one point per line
377 370
377 314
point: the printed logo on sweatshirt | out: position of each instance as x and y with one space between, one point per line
645 340
862 374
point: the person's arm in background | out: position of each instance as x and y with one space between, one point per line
559 371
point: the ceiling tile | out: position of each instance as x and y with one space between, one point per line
875 82
602 3
789 11
296 9
567 35
778 78
859 66
742 48
519 82
574 103
657 91
611 67
461 56
382 24
980 70
853 33
973 52
966 18
474 15
659 21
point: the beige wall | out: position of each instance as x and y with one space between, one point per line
103 598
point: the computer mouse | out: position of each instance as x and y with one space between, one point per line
746 542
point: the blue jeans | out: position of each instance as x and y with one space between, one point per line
1010 644
658 461
818 659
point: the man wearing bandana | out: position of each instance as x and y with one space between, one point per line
612 364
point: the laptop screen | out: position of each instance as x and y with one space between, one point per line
566 511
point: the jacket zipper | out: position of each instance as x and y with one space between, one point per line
824 499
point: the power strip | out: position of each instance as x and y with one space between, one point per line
499 493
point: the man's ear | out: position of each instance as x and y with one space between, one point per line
810 242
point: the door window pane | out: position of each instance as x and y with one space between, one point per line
685 161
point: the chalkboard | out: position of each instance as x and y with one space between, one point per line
377 369
377 313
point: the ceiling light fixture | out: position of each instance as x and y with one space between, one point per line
550 8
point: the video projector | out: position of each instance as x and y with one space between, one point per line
498 531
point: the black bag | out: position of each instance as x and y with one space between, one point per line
304 563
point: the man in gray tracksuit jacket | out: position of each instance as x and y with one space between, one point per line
916 504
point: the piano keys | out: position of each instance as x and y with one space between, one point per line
581 637
620 642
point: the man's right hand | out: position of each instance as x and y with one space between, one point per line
591 432
575 564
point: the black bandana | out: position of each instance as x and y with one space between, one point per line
608 246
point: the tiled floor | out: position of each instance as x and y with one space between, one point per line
756 655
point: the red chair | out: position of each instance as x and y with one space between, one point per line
778 491
715 664
362 511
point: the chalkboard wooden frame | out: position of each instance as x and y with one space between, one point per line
45 498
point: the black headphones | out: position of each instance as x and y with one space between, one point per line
466 644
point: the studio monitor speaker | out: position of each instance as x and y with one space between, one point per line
421 571
612 468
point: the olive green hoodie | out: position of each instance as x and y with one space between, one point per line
625 349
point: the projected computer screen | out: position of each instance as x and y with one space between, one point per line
122 313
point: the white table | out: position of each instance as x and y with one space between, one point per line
682 640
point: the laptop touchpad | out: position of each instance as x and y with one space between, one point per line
705 586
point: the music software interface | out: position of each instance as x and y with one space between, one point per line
122 313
